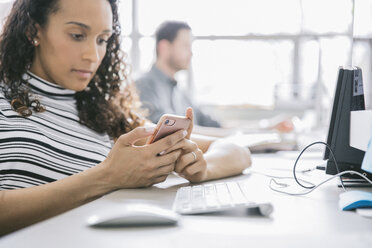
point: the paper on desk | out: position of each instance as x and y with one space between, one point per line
367 160
360 128
254 139
258 142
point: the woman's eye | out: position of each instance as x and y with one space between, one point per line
101 41
77 37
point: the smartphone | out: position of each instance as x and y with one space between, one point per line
167 125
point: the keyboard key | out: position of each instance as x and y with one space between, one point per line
210 196
223 194
236 194
197 201
184 194
183 198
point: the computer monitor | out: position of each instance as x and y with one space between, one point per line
349 96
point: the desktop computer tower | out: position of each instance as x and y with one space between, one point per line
349 96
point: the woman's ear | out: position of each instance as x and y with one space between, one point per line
34 38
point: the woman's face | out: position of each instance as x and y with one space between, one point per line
72 44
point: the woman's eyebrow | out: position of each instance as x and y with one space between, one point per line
79 24
87 27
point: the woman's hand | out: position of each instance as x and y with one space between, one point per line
130 166
191 163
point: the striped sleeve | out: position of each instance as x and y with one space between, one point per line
46 146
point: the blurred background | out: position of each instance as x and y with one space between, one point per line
256 59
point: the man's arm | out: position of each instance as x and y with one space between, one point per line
204 119
150 99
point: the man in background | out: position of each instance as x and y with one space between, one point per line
160 93
158 89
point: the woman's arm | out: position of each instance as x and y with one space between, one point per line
226 159
203 141
126 166
23 207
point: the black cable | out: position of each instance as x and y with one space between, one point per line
333 156
321 167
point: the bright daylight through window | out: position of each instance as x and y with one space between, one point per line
257 53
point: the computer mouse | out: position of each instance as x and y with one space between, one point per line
133 215
366 212
354 199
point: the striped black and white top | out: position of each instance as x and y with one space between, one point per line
46 146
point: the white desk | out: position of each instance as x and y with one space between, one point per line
313 220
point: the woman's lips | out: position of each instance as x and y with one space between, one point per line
85 74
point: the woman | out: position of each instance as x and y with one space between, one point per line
61 107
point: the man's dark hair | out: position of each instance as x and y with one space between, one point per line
168 31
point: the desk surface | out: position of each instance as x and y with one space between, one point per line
313 220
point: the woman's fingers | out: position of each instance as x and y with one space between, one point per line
167 142
186 146
161 174
164 170
135 166
192 166
168 158
188 159
193 169
136 134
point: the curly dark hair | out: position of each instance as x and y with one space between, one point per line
102 106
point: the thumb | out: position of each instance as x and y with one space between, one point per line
136 134
190 115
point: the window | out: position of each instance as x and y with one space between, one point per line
259 52
362 45
278 54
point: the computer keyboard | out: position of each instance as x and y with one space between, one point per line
216 197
